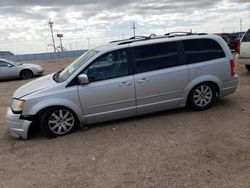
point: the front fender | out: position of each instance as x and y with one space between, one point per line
56 102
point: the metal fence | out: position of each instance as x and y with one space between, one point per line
44 56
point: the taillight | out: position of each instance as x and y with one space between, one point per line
232 63
239 47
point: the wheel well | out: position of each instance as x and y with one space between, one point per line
217 89
35 120
57 106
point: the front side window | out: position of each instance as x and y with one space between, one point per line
199 50
111 65
246 37
73 67
156 56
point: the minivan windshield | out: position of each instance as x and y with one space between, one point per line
64 74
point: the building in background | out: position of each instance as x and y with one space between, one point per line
6 53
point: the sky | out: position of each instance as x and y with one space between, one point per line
24 25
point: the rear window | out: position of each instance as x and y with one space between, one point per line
198 50
156 56
246 37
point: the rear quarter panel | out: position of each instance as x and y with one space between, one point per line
217 71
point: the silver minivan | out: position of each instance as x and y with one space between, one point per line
123 79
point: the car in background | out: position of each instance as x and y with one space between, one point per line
239 34
226 39
233 40
243 56
11 69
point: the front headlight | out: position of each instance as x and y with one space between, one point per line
17 105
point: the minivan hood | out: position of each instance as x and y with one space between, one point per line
34 86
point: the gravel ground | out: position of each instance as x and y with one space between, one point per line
177 148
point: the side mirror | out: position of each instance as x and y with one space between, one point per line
83 79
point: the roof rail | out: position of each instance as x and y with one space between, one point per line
178 32
139 37
153 36
183 33
130 39
135 38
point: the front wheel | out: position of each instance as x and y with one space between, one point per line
57 121
26 74
202 96
248 67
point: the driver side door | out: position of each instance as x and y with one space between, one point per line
111 93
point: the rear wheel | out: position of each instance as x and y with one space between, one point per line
248 67
202 96
26 74
57 121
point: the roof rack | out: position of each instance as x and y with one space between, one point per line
153 36
178 32
135 38
139 37
183 33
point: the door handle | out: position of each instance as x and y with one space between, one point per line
143 80
124 84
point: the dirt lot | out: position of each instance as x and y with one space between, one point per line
177 148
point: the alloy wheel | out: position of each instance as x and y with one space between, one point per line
202 95
61 121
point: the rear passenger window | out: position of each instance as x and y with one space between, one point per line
156 56
198 50
246 37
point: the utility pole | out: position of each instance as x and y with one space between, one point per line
60 36
134 28
240 24
76 44
88 42
165 30
52 34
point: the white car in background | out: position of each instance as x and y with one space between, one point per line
11 69
243 56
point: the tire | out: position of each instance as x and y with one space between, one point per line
58 121
202 96
248 67
26 74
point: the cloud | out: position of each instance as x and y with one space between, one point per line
26 20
